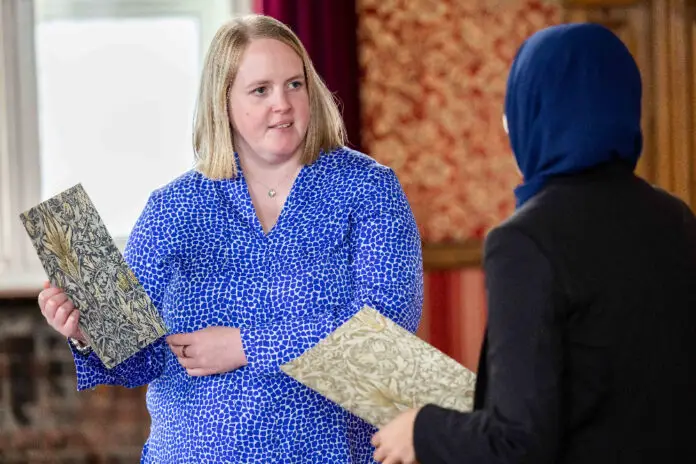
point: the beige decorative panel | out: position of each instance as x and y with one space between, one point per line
376 369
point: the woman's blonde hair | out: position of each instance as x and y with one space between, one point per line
212 135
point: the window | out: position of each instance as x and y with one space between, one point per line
111 106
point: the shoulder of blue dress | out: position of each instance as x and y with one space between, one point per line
188 188
351 162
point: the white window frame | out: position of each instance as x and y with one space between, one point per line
20 173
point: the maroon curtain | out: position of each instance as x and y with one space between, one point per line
328 30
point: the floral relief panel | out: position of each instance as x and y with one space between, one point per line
433 76
376 369
78 254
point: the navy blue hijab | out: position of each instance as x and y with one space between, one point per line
573 102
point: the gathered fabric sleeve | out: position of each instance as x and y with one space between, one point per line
521 417
386 269
144 255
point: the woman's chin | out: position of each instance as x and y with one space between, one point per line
274 155
283 154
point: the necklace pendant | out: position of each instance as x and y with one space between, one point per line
271 193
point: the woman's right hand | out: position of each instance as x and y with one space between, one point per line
60 312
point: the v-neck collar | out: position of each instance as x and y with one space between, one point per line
235 193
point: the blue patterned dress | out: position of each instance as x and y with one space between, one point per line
345 238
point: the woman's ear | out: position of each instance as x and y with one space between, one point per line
505 126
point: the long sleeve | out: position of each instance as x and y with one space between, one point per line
386 273
144 255
520 421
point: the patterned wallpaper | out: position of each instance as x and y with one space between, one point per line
432 88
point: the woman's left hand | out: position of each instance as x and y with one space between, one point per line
213 350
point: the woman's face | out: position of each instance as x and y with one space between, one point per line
269 103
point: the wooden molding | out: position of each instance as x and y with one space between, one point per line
661 34
599 3
19 294
442 256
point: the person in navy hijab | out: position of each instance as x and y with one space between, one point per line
589 354
573 102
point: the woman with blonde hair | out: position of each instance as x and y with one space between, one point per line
278 236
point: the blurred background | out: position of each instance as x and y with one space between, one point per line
101 92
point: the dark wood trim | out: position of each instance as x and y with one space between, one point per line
19 294
599 3
457 255
436 257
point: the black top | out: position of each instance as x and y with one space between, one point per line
590 350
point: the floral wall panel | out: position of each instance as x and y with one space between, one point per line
432 88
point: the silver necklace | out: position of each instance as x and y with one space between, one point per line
272 192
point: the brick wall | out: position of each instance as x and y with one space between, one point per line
43 419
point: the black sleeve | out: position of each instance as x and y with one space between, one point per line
689 220
520 420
